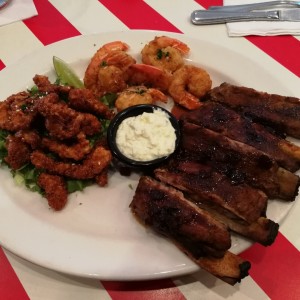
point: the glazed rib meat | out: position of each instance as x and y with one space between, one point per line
263 230
240 207
215 189
239 161
202 237
280 112
165 209
217 117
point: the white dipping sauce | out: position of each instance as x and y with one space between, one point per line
147 136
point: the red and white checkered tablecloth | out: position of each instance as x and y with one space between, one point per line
275 272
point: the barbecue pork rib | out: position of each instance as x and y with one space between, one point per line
239 161
165 209
202 237
240 207
217 117
240 202
279 112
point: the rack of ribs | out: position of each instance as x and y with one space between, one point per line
279 112
232 158
226 121
193 230
241 207
239 161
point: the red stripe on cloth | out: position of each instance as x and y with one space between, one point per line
10 286
137 14
2 65
207 3
143 290
276 269
50 25
284 49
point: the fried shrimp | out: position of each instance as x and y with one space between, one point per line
105 72
165 53
55 190
138 95
150 76
189 84
93 165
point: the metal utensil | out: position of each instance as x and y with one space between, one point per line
206 17
3 3
257 6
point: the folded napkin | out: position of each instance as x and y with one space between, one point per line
260 27
17 10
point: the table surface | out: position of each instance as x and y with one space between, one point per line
275 272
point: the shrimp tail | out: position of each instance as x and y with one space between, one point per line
188 101
157 95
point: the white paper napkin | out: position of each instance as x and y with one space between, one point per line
17 10
260 27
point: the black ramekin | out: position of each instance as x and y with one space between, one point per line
133 111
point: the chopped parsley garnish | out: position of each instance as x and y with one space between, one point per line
103 64
23 107
161 54
140 91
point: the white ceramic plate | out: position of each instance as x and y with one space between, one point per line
96 234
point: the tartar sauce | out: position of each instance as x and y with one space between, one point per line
147 136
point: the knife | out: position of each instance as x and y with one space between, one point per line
257 6
3 3
206 17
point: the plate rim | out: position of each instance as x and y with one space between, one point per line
44 51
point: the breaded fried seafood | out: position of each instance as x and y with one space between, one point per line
55 133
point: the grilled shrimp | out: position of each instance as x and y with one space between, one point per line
105 72
150 76
189 84
165 53
139 95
